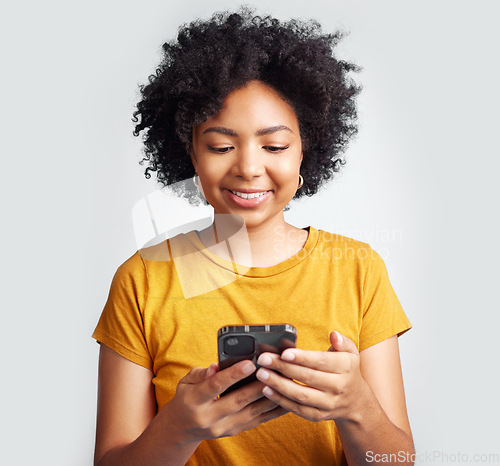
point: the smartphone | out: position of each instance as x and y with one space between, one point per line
238 342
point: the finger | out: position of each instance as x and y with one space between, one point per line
237 404
258 413
265 414
211 370
301 394
312 413
340 342
320 380
259 406
198 374
222 380
335 363
240 398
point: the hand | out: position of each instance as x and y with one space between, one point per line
316 385
198 413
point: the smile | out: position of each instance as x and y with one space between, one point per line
248 195
247 200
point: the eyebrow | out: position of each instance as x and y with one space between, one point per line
260 132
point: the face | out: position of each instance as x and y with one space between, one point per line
248 155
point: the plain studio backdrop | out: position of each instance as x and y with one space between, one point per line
420 186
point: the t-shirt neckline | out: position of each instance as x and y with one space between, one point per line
258 272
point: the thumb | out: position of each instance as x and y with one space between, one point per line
340 342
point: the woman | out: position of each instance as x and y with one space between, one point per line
259 112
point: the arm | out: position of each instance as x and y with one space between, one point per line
382 426
363 394
129 432
126 409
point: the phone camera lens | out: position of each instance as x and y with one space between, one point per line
239 346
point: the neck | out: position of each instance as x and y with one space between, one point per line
257 246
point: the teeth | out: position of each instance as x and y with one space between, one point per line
248 195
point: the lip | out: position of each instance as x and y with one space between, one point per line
247 203
249 191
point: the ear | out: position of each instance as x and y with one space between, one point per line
301 157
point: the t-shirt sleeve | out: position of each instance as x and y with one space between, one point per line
121 325
383 315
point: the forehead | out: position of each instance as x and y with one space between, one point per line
255 105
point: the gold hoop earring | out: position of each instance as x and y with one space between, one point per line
301 182
194 180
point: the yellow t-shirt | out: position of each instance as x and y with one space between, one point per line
333 283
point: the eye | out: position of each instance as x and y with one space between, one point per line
220 150
275 149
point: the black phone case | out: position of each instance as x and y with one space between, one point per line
274 338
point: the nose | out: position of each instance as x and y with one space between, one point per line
248 163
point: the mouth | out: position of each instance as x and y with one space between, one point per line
251 195
249 199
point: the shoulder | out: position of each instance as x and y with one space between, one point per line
148 267
143 262
133 266
348 257
130 277
159 263
167 250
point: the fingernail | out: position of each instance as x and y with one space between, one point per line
248 368
267 391
340 338
288 356
262 374
264 360
211 370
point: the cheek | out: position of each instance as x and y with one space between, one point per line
211 178
210 173
288 173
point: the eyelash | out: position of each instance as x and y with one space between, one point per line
272 149
276 149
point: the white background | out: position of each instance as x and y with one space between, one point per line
420 186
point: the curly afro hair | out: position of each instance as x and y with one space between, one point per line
212 58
